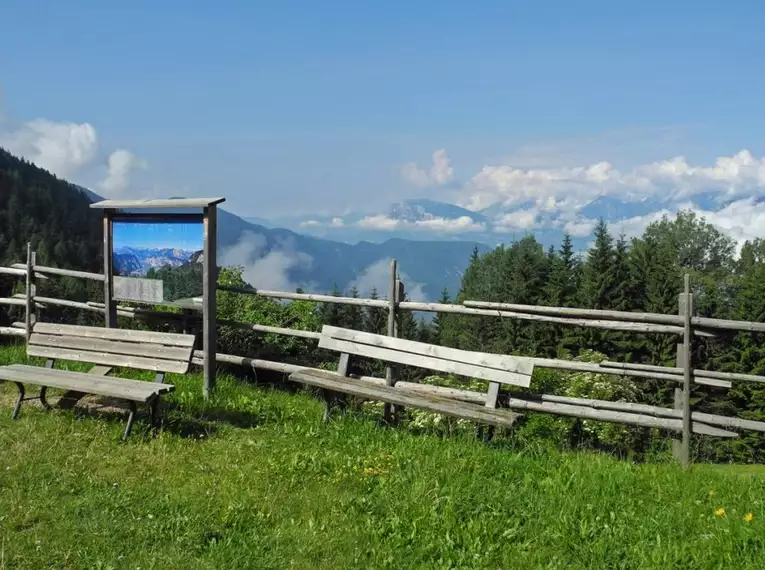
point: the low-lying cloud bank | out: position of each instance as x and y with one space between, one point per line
264 269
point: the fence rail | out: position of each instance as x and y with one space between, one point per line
680 418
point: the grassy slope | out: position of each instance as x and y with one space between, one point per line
254 480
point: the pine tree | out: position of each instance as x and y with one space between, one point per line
374 319
598 280
330 313
439 320
351 316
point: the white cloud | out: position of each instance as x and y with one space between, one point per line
265 270
377 276
379 222
69 150
515 221
61 148
337 222
120 167
742 220
440 172
574 187
579 228
434 224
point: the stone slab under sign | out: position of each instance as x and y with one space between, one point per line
138 289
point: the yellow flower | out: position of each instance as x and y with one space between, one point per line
748 517
720 512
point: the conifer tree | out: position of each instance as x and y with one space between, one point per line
351 316
375 319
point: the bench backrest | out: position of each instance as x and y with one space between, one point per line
145 350
493 367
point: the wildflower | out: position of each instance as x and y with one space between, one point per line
711 492
720 512
748 517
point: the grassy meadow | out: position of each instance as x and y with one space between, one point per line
253 479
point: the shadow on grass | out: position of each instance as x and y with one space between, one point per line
172 417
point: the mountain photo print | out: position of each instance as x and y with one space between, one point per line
156 262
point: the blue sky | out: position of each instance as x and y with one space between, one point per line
163 235
324 107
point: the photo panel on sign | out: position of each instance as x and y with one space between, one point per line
157 261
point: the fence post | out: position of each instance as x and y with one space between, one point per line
31 292
677 452
392 302
685 450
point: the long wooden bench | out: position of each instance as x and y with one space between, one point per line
105 348
497 369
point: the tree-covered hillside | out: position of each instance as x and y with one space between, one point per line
53 215
640 274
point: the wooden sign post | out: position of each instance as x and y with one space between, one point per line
199 210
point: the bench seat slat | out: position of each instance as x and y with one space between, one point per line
128 361
130 335
422 361
134 390
157 351
333 381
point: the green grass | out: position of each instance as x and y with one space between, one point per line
252 479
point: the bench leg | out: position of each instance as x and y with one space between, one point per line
43 401
336 399
154 407
131 417
327 404
22 398
485 433
17 407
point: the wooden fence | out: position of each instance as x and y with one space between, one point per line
684 325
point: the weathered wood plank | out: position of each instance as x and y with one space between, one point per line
588 323
12 331
83 382
332 381
307 297
95 372
633 317
29 293
575 366
698 373
209 312
269 329
130 335
45 270
492 395
712 419
13 271
500 362
12 301
428 362
710 323
614 416
158 351
108 359
152 203
442 391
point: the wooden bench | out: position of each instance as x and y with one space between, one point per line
105 348
496 368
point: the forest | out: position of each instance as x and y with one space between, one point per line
643 273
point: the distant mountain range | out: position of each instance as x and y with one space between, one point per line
422 220
136 261
277 258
